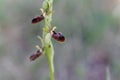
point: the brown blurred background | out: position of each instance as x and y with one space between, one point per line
91 51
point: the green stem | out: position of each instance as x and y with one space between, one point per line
47 43
49 52
51 71
51 66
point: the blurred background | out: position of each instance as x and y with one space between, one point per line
91 51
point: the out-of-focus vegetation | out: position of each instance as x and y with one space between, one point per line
93 40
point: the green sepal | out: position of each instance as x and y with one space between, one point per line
45 6
47 38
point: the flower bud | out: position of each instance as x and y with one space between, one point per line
37 19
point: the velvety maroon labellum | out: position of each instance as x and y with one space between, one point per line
58 36
35 55
61 37
37 19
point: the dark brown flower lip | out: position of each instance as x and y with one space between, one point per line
37 19
58 36
36 55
